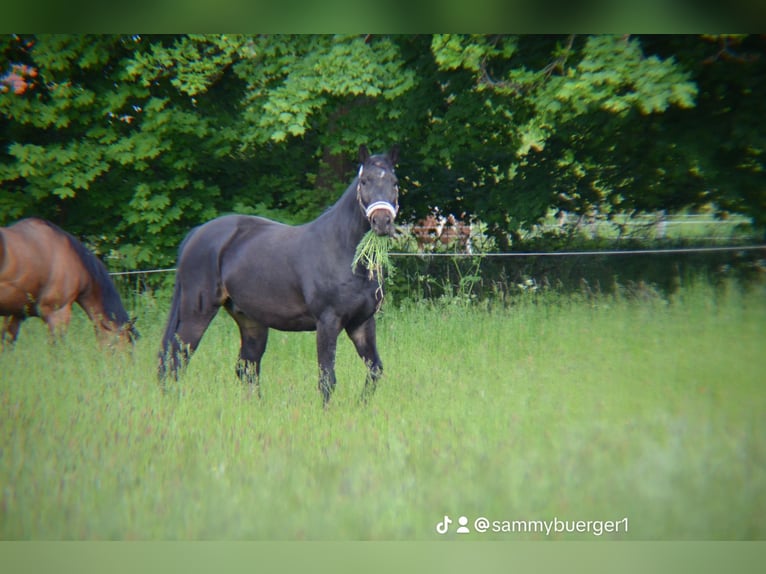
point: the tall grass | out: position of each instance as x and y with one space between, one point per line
597 409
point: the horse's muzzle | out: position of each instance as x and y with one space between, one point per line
381 215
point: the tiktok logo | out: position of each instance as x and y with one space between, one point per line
443 526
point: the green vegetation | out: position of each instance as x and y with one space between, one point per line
594 408
372 254
129 141
564 388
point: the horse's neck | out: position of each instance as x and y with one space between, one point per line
91 303
344 220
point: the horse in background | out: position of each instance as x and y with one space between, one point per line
269 275
43 271
449 231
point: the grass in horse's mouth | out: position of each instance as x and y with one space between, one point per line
372 254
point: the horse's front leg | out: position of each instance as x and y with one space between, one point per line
56 319
363 338
328 329
10 330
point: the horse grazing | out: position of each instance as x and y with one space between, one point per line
43 271
291 278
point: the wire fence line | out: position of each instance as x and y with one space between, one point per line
608 252
143 272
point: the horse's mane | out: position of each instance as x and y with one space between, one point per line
97 270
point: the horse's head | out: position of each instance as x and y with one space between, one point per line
118 334
377 189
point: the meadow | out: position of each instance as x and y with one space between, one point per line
577 409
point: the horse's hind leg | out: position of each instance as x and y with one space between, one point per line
364 340
254 338
191 327
188 321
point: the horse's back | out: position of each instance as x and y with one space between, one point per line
210 238
23 243
249 264
202 252
2 249
31 260
214 238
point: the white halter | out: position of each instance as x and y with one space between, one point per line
375 205
380 205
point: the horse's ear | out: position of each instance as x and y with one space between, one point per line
393 155
364 153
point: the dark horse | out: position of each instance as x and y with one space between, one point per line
44 270
271 275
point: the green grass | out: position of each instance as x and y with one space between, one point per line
580 410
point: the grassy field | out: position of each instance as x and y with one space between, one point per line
591 410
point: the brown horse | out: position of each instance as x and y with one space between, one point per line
43 271
455 232
450 231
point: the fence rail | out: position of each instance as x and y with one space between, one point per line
144 272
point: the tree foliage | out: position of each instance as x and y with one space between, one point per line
129 141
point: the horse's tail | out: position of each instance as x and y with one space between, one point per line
170 343
173 321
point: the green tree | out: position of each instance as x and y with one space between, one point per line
129 141
564 104
610 123
107 146
132 140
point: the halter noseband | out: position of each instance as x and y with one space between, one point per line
375 205
380 205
